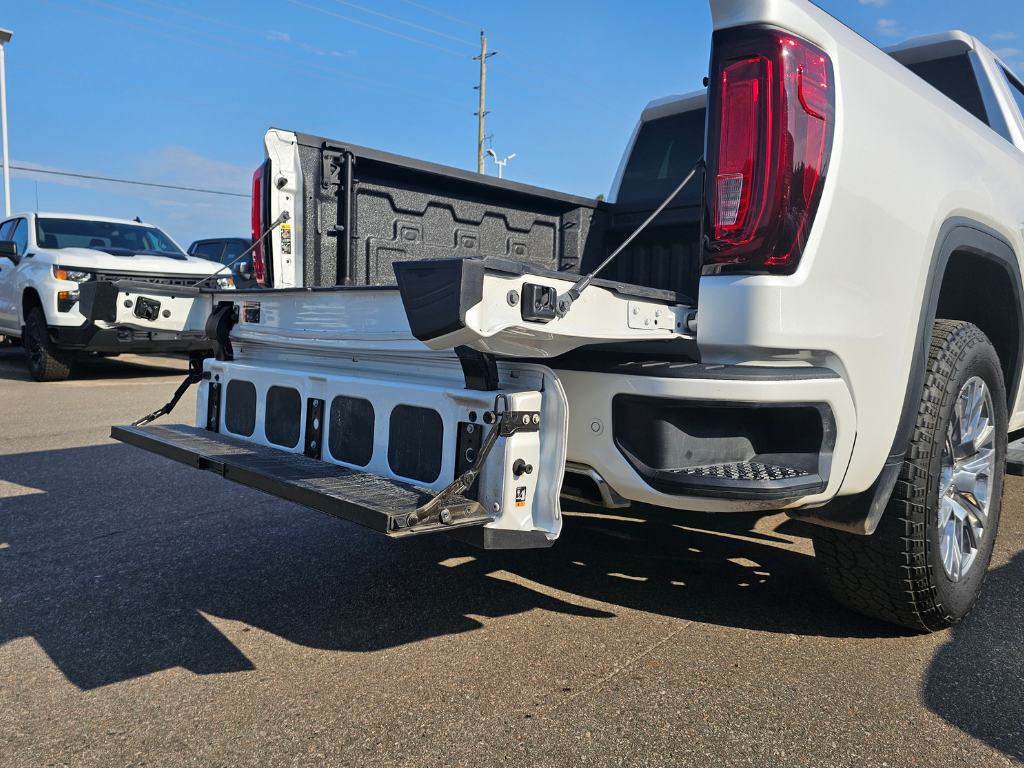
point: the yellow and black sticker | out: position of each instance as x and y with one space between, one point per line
250 312
521 496
286 239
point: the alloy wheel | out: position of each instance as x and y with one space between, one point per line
968 464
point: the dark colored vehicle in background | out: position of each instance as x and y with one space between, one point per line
225 250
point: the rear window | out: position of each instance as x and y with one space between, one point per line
665 151
210 251
233 250
954 76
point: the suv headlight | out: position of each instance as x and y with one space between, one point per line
70 273
224 282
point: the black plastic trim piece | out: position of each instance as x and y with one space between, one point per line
314 428
213 406
98 300
479 369
813 480
438 293
218 329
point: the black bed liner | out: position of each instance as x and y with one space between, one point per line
364 210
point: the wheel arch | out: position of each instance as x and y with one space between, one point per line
962 244
29 300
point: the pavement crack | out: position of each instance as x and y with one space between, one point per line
618 670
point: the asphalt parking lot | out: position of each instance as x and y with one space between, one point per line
151 614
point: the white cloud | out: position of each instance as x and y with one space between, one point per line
889 27
1007 53
1005 36
876 3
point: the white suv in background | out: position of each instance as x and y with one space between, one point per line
44 257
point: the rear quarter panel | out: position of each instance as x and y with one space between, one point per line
905 159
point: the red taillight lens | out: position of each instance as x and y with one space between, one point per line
771 115
260 263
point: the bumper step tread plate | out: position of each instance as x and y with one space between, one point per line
378 503
740 480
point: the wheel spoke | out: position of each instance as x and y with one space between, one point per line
971 511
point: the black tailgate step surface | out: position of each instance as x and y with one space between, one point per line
378 503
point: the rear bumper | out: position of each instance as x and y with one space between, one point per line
713 438
89 337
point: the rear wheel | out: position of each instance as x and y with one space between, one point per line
46 362
925 564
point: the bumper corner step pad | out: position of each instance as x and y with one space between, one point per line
740 480
373 502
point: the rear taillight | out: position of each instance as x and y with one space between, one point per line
262 264
771 116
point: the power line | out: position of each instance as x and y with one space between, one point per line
558 69
438 13
521 50
316 49
506 57
261 50
555 95
249 58
406 23
278 66
127 181
379 29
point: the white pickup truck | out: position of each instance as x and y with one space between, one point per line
45 257
826 320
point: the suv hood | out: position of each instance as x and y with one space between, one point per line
100 261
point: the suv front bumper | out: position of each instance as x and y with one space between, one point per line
90 337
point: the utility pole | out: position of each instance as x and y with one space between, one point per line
5 37
483 110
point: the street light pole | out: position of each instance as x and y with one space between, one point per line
5 37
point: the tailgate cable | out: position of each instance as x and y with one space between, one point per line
285 216
195 374
195 364
564 302
464 481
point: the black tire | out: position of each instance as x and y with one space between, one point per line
108 354
46 362
897 574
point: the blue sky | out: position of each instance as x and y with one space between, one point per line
181 92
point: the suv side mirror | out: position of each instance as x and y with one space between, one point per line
245 269
9 250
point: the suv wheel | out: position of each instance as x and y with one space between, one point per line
925 564
45 361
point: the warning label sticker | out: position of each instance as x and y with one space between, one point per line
286 238
250 311
521 496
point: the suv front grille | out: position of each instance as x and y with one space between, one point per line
184 280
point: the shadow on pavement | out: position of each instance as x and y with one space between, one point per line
112 565
976 679
91 367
